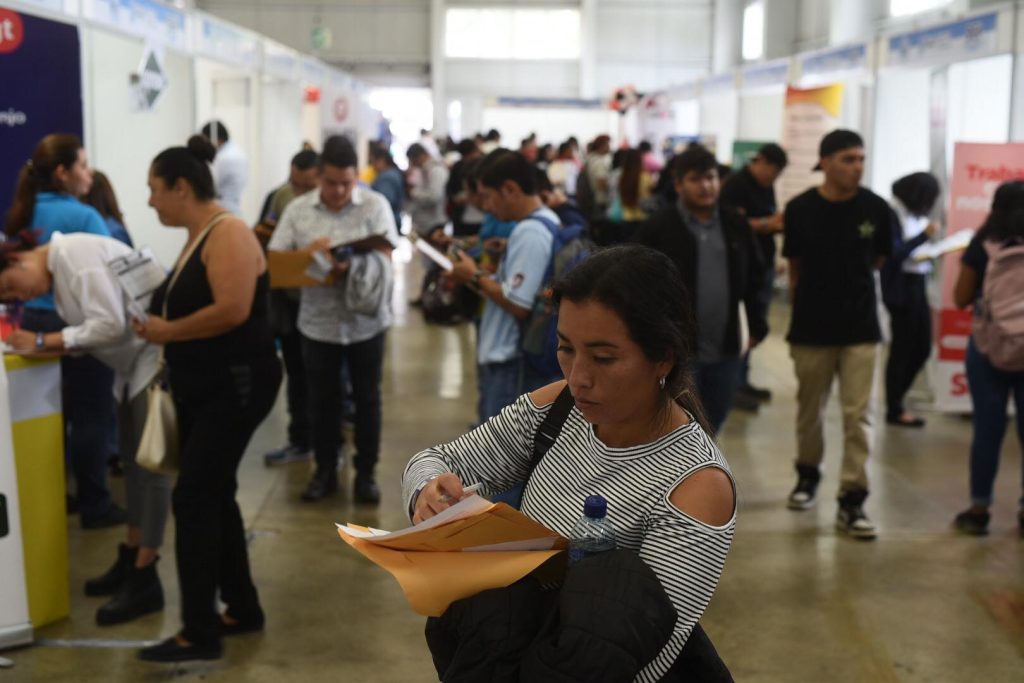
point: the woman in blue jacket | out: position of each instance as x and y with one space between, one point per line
47 201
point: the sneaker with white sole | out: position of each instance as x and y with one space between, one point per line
286 455
806 489
851 519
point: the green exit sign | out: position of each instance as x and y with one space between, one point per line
320 37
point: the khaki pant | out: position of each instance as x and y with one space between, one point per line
815 368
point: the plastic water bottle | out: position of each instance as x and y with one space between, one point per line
593 533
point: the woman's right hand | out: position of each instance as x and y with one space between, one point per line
438 495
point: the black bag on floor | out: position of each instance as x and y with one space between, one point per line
446 302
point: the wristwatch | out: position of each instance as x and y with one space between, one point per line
40 341
476 277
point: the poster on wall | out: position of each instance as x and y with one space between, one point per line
810 113
150 81
35 51
743 151
978 169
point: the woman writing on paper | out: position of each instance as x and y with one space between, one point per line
46 200
90 300
634 435
211 317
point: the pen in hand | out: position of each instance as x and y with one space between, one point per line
466 491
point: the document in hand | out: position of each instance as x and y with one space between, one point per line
288 269
472 546
958 241
291 269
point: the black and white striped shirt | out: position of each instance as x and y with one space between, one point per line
687 555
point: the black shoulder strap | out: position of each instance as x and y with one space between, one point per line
550 428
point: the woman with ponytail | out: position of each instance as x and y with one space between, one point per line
633 432
46 201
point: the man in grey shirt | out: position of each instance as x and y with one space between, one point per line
345 320
715 250
427 197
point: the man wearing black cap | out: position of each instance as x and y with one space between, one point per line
751 191
836 236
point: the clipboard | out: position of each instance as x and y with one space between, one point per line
292 269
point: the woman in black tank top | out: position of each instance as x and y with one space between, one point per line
211 317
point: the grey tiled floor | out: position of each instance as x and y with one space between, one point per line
796 602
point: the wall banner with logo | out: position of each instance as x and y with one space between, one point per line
810 114
978 169
42 89
743 151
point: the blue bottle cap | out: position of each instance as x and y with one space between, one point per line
595 507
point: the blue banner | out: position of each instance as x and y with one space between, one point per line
836 59
40 68
959 40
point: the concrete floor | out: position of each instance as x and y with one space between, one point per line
796 602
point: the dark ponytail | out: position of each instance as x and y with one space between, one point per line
191 163
25 240
1004 221
52 152
646 290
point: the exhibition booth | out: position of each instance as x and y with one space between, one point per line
134 77
33 516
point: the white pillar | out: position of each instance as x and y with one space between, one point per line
781 19
727 34
588 49
852 21
437 72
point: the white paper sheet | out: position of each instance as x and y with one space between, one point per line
434 255
473 505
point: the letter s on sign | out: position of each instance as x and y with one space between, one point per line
12 32
959 382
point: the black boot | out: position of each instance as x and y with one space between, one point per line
108 583
140 594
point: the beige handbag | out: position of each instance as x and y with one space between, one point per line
159 449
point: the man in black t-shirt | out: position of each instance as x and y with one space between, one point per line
836 236
751 191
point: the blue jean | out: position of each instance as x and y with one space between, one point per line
499 385
88 395
990 392
716 384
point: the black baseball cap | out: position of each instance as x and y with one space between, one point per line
836 141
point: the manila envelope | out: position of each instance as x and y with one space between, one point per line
437 565
432 581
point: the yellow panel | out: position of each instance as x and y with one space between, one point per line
12 362
39 458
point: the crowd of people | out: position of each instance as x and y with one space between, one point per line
638 284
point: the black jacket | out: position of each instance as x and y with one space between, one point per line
609 620
666 232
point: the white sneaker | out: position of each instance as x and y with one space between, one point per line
804 494
851 520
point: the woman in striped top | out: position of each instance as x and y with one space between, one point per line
635 436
